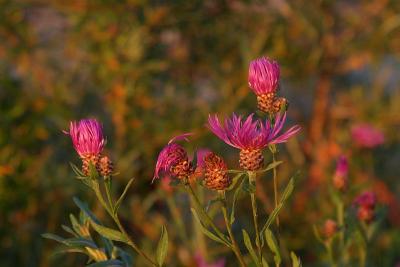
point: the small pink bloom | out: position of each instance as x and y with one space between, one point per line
365 135
263 76
249 134
366 199
87 137
170 156
330 228
201 262
340 178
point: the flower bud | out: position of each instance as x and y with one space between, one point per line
215 172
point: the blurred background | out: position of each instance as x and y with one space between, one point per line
150 70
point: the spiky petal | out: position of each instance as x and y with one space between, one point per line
87 137
264 76
251 134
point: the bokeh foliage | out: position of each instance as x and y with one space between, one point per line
152 69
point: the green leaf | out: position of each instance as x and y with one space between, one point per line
270 166
235 171
108 263
108 232
79 174
234 181
235 197
249 187
273 246
162 247
249 246
54 237
295 260
317 235
207 232
118 203
79 242
286 194
212 202
69 230
84 208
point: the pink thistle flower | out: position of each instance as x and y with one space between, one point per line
87 137
173 159
365 135
340 178
201 262
251 136
263 76
88 141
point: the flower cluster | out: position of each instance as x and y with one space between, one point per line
367 136
340 178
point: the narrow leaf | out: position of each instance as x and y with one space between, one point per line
108 232
84 208
79 242
206 231
118 203
270 166
53 237
162 247
295 260
273 246
69 230
235 180
249 246
235 197
108 263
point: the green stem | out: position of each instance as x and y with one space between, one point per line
252 180
330 253
235 246
110 209
200 209
340 218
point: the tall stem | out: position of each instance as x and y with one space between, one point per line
110 210
340 218
252 180
235 246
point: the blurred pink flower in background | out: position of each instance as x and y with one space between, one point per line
201 261
365 135
366 206
340 178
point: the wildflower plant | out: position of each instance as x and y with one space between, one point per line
179 172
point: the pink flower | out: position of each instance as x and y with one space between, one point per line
201 262
366 205
366 199
263 76
251 134
340 178
365 135
87 137
173 159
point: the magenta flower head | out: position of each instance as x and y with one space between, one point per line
173 160
365 135
366 206
251 136
87 138
264 76
264 80
340 179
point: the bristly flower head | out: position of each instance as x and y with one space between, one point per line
87 137
173 159
263 76
365 135
251 136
